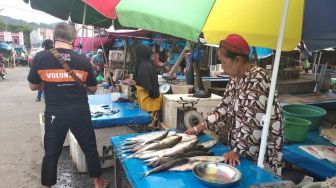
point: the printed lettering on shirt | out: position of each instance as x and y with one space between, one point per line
66 57
59 75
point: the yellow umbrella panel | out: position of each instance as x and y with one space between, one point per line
256 20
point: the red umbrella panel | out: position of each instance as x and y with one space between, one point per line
106 8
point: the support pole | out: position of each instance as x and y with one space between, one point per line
105 58
267 117
83 24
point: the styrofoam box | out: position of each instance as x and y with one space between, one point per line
42 128
170 105
104 147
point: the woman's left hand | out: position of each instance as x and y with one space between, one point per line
231 158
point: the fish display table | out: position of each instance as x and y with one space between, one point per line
128 112
135 168
321 169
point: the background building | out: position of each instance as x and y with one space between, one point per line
14 38
37 36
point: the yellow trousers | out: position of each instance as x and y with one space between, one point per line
147 103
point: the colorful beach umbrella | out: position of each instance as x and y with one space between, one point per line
73 10
257 21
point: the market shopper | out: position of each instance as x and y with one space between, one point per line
147 85
46 45
2 67
66 103
98 62
243 106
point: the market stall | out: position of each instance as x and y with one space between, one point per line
134 169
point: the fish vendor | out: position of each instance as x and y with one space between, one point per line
147 85
243 107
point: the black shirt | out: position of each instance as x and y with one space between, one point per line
62 93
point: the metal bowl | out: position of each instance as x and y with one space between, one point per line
217 174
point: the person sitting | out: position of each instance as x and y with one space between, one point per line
147 85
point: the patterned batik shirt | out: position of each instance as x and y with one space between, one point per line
242 108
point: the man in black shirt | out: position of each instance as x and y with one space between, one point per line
66 104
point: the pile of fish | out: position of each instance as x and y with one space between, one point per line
168 150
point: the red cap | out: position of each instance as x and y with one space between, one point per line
235 43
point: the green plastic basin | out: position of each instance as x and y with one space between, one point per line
311 113
296 129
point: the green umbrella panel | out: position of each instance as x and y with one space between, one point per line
166 16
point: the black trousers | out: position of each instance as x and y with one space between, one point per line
57 125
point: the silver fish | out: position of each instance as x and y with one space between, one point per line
166 166
179 148
192 153
208 144
193 161
216 159
186 167
143 137
163 144
152 138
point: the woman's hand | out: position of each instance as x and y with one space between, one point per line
195 130
231 158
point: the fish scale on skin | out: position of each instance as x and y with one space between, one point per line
160 153
208 144
179 148
163 144
185 167
193 161
187 154
167 166
196 148
153 138
148 135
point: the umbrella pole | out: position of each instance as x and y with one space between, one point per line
81 40
267 117
125 59
106 59
93 36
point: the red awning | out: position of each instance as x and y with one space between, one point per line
90 43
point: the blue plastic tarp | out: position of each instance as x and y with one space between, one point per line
261 52
134 169
129 113
319 28
294 155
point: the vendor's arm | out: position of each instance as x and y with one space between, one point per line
220 116
217 119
